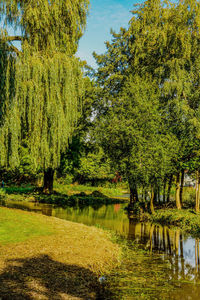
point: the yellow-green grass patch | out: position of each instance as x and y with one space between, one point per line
62 265
16 226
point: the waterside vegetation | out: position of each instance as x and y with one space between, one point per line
187 220
64 195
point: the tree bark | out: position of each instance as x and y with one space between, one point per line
133 194
169 188
48 181
151 201
158 195
197 191
164 190
181 187
178 203
14 38
145 195
155 199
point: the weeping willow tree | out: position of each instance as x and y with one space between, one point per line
42 81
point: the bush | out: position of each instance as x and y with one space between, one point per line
189 197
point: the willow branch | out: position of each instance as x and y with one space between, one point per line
14 49
14 38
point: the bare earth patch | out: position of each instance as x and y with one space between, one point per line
63 265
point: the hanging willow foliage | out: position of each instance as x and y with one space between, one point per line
55 24
9 118
48 93
42 84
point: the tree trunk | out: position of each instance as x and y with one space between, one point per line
155 199
145 195
169 188
178 203
151 201
142 193
197 191
48 181
164 190
181 187
133 194
159 195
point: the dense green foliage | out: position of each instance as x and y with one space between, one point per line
136 116
148 83
135 119
44 83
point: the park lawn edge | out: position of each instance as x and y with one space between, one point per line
62 195
83 252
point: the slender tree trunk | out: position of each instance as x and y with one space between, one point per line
154 196
164 190
151 201
197 191
158 194
181 187
145 195
133 194
178 203
155 200
48 181
142 193
169 188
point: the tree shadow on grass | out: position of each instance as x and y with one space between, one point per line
44 278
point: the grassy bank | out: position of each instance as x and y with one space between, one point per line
43 257
72 189
69 195
185 219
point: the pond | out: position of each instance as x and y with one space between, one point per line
161 262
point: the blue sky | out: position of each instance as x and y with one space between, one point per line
104 15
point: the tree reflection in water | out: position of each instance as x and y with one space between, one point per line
181 251
172 258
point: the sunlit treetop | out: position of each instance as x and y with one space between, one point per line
164 35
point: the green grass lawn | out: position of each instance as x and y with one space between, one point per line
68 189
18 227
73 188
46 256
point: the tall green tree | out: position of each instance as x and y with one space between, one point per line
47 82
161 47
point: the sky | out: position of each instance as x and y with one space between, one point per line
104 15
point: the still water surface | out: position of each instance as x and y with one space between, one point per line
168 269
